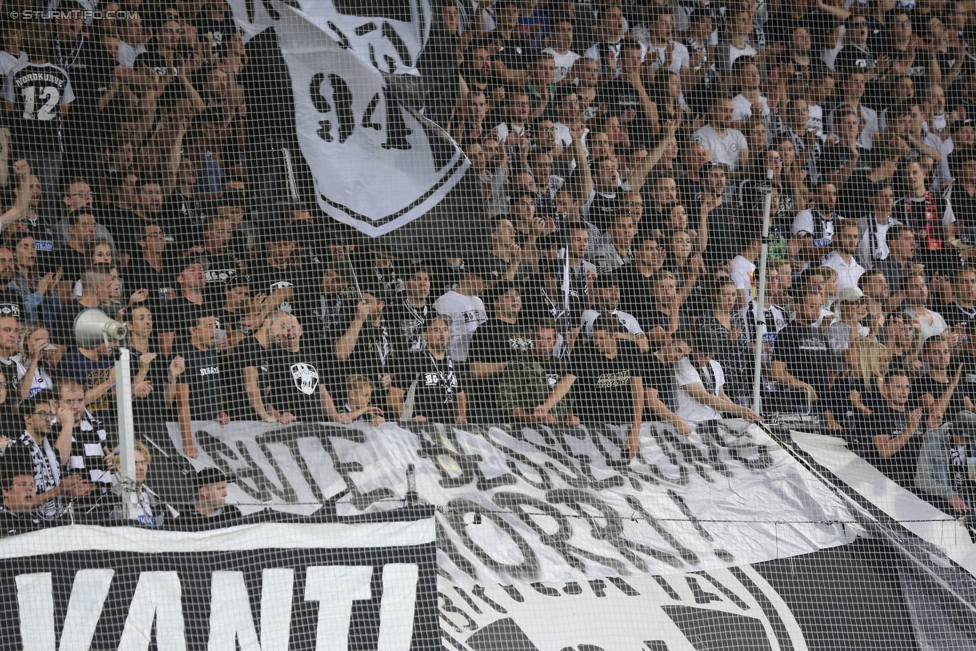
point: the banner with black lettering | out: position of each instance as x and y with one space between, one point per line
686 503
350 92
549 539
301 584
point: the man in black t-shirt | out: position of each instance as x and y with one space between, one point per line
246 382
409 315
191 279
963 311
966 355
294 378
430 374
223 264
276 275
894 428
148 271
606 374
936 392
366 347
197 395
89 67
75 256
325 299
11 303
625 96
495 343
803 358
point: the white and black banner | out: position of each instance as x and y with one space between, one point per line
377 162
548 540
271 586
545 505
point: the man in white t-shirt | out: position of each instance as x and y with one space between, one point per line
699 382
744 269
133 37
664 51
749 101
727 145
517 116
466 309
569 114
842 259
560 41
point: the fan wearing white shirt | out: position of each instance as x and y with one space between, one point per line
133 37
749 101
664 51
465 307
842 259
699 382
517 112
728 145
560 41
11 55
744 270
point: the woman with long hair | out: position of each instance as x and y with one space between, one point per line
36 289
679 252
857 392
36 361
795 193
666 95
756 132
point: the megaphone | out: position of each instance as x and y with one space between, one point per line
93 327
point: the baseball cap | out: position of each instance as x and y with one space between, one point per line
178 263
849 295
238 280
208 476
196 258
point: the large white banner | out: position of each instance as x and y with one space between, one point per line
542 505
549 537
378 164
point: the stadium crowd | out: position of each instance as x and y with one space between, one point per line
621 152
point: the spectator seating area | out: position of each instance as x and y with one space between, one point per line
623 152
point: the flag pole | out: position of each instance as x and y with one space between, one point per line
760 324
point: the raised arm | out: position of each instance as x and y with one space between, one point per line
19 210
